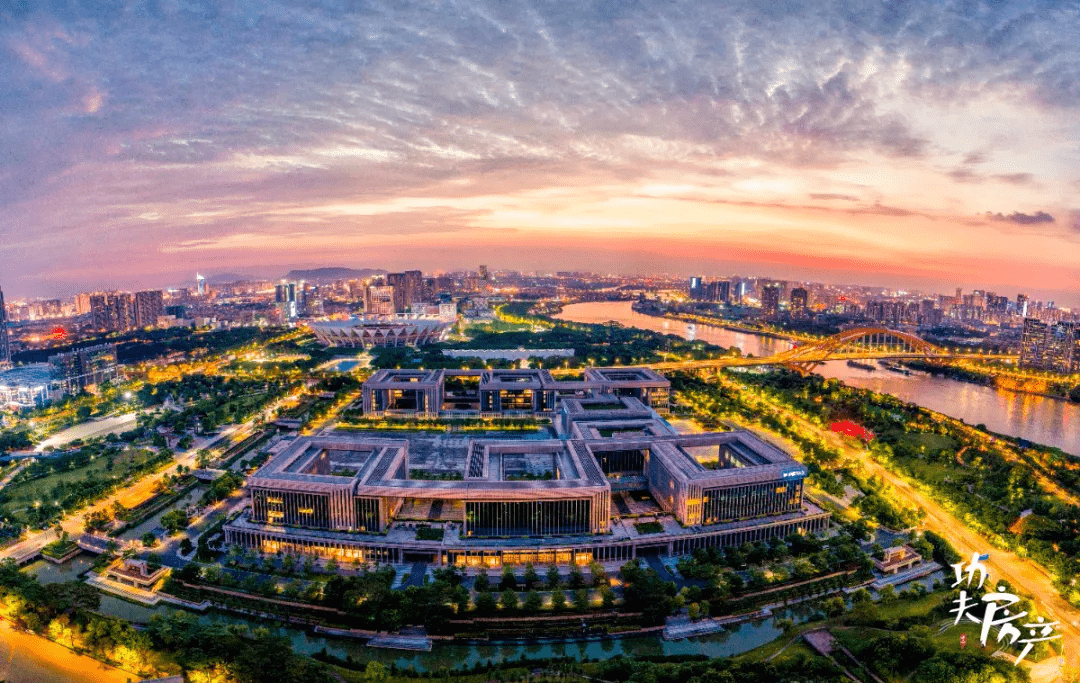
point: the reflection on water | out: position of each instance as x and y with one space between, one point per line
1037 418
622 312
47 572
734 640
737 639
1028 416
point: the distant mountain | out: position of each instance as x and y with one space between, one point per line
225 278
331 274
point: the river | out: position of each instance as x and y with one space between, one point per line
1036 418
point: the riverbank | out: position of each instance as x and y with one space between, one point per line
1057 390
718 323
1028 417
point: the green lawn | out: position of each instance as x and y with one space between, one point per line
26 494
910 607
932 442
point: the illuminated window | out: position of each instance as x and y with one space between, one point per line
306 511
274 515
275 501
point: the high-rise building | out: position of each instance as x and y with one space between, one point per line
1022 304
100 313
112 312
5 339
1054 347
82 303
81 369
800 300
1060 351
408 289
200 285
770 300
484 273
695 287
149 306
379 300
723 291
739 291
291 298
429 292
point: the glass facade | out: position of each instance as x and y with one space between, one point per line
292 508
756 500
367 514
622 462
528 518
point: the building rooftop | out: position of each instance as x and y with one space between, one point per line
33 375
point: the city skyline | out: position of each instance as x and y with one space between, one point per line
70 293
929 145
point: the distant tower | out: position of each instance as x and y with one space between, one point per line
483 273
200 285
5 342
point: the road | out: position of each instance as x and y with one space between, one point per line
1024 574
134 494
26 658
138 491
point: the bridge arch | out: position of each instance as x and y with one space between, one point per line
858 342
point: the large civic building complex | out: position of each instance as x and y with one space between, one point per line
609 460
381 330
502 392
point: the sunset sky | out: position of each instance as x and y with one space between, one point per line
922 144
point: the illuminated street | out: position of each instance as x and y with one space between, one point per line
26 658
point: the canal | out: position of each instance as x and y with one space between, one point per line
1040 419
734 640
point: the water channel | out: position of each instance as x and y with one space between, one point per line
734 640
1040 419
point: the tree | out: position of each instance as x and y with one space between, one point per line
508 581
577 578
149 540
644 591
859 530
332 565
485 603
599 576
553 577
532 579
508 600
175 521
607 596
481 582
558 600
533 602
834 606
581 600
375 672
